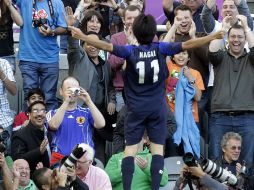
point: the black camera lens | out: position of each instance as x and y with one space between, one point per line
43 21
189 159
39 22
4 136
35 23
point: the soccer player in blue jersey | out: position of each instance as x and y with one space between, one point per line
144 81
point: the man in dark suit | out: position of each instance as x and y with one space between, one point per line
32 142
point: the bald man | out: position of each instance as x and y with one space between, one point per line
21 171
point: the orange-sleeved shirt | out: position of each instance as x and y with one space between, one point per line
174 73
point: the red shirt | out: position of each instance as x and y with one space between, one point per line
19 120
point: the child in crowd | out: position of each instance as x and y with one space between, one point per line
175 65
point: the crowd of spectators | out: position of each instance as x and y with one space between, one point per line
207 75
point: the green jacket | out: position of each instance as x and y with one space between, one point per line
141 179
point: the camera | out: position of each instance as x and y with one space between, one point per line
4 136
189 160
218 172
75 91
39 22
212 169
77 153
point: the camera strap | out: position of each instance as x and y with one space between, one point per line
51 10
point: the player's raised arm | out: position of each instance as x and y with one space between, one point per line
78 34
197 42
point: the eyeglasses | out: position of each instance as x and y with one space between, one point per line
235 147
38 111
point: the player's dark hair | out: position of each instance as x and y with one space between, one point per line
182 8
144 29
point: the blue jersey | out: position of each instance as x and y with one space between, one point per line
145 74
76 127
33 46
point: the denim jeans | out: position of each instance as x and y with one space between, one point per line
43 76
243 124
119 100
12 60
63 44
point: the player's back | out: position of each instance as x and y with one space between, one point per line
144 78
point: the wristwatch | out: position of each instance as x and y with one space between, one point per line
53 33
192 82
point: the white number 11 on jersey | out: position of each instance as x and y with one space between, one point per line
141 68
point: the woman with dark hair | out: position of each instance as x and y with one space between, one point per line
92 21
88 10
8 14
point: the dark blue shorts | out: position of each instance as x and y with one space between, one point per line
153 122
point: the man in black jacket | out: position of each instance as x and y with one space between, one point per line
32 143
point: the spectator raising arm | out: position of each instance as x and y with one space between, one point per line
14 13
99 121
197 42
217 44
7 179
193 43
57 119
171 33
77 33
249 34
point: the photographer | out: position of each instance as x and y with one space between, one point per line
199 178
71 123
47 179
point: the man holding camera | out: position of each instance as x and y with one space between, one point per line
202 180
71 123
47 179
38 49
